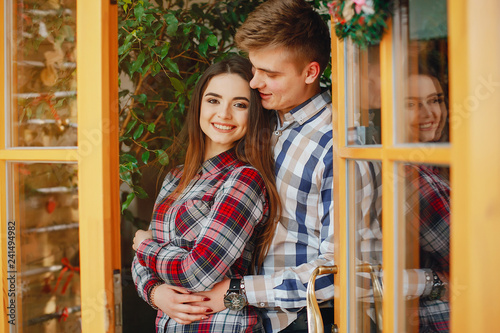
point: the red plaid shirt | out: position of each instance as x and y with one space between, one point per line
202 236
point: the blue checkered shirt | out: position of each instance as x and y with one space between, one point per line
304 236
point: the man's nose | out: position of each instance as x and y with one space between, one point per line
256 82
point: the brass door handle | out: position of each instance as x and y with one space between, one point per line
378 291
314 319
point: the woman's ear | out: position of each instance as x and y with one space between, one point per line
312 72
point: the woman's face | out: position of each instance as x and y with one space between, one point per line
425 107
224 112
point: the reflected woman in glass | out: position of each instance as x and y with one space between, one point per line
428 202
426 108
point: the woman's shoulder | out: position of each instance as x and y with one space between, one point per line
246 174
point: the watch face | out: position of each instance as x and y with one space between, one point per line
234 301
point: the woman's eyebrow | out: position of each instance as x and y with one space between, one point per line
213 94
243 98
220 96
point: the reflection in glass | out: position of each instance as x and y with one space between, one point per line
422 115
42 73
426 212
365 196
43 229
363 95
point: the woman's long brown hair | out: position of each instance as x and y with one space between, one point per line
254 148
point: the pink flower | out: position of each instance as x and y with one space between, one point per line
364 5
359 5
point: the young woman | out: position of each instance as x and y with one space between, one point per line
428 202
214 216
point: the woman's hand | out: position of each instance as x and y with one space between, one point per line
215 296
177 303
141 235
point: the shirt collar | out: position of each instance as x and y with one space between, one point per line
309 108
219 162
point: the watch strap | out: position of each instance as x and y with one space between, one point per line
234 285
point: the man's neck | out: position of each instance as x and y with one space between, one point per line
307 96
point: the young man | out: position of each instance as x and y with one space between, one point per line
289 47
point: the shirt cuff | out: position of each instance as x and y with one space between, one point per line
147 252
414 282
149 286
260 291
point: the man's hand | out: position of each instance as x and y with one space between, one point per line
179 304
141 235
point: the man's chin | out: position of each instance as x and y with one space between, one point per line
267 105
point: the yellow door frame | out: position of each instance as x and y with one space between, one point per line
474 159
97 158
474 46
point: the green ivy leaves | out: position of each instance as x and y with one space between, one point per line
164 47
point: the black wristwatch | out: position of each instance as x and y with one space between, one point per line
438 288
235 297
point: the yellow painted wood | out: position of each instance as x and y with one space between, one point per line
40 155
389 248
426 154
337 87
95 129
429 154
3 197
361 152
475 198
340 213
3 240
2 75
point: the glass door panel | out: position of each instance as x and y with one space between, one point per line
365 221
41 81
422 70
425 207
363 95
43 230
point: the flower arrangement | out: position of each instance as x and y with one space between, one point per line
361 20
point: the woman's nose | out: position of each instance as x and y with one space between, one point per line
224 111
424 110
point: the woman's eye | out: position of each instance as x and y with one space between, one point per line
212 101
241 105
433 101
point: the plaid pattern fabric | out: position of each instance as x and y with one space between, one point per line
427 203
203 235
304 235
433 214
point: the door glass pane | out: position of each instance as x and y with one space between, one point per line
365 214
422 72
363 95
424 191
43 248
41 80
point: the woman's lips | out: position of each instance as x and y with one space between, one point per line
223 127
427 126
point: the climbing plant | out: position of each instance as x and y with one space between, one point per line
164 46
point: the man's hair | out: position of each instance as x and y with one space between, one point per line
292 24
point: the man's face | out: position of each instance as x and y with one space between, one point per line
279 79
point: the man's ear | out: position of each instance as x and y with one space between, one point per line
312 72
